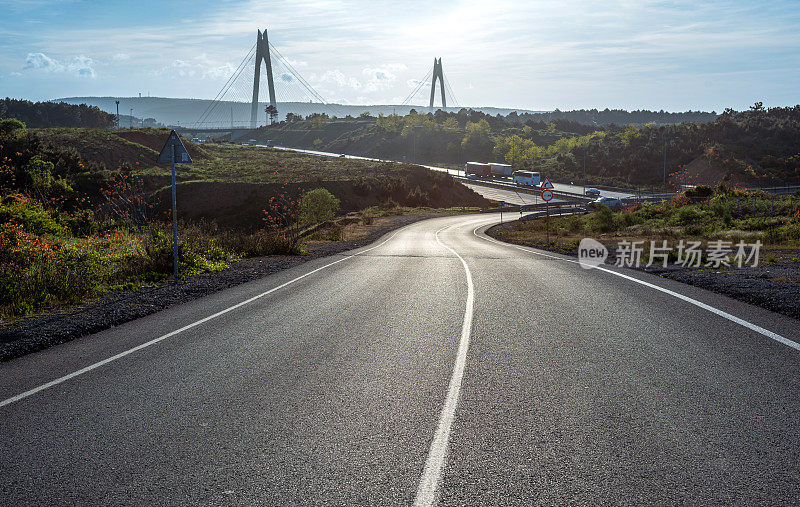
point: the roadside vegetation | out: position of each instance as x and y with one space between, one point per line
702 213
84 211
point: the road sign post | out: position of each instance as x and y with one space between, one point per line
501 203
174 152
174 219
547 194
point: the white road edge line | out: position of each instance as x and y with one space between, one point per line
98 364
434 465
749 325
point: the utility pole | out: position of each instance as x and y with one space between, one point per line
584 169
665 165
174 219
117 102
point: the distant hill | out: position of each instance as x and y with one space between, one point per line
185 112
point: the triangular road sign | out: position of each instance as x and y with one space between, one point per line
546 185
181 155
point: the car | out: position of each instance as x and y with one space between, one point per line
606 201
341 155
592 191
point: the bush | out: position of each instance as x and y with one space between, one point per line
602 220
9 126
318 205
700 192
34 274
29 214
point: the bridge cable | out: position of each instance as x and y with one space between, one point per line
227 84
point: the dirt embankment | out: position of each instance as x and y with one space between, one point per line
242 205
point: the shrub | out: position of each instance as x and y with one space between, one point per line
29 214
318 205
9 126
700 192
602 220
35 273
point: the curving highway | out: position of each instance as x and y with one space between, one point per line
436 366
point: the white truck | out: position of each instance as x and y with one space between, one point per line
501 169
527 178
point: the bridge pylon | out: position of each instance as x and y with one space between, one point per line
437 74
262 53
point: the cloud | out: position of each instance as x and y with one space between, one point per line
43 62
413 83
81 66
382 76
221 72
337 77
121 57
199 66
286 77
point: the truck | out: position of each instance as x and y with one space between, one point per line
501 169
527 178
477 170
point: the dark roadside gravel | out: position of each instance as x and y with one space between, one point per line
774 286
117 307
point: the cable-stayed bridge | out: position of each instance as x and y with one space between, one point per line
265 71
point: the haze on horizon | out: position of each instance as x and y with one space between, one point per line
672 55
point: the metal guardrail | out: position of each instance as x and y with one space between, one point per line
524 190
573 206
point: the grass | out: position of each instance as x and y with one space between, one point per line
222 162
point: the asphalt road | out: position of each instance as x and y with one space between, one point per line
483 190
436 365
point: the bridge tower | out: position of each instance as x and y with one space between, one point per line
262 53
437 74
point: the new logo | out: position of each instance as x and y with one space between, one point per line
591 253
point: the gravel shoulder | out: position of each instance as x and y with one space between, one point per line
117 307
774 284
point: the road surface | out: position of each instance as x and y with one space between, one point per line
434 366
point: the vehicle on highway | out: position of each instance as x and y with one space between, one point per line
341 155
527 178
592 191
477 170
606 201
501 169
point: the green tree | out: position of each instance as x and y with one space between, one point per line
39 173
272 111
477 140
10 125
318 205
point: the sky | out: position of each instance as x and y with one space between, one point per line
537 55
